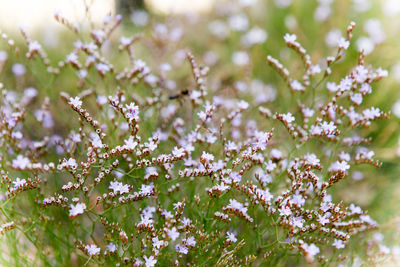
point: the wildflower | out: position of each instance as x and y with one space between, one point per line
285 211
157 243
96 141
130 143
77 209
290 38
111 247
243 104
178 152
331 86
297 199
338 244
296 85
207 157
311 249
288 117
343 43
149 261
92 250
231 237
323 219
181 249
75 102
19 183
173 233
297 221
311 159
21 162
102 68
339 166
119 187
191 241
147 189
357 98
133 111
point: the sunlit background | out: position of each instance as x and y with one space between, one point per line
37 13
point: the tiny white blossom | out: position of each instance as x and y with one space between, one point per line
92 250
75 102
77 209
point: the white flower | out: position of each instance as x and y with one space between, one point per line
191 241
92 250
19 183
338 243
231 237
297 221
357 98
149 261
173 233
125 40
75 102
96 141
297 199
181 249
288 117
147 189
339 166
285 211
290 38
103 68
178 152
297 86
133 111
157 243
312 249
243 104
111 247
130 143
355 209
77 209
331 86
34 46
20 162
311 159
119 187
343 43
323 219
207 156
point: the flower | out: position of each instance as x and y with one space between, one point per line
92 250
173 233
111 247
343 43
77 209
19 183
290 38
75 102
149 261
231 237
181 249
339 244
311 249
288 117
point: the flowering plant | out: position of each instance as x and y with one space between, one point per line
136 177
